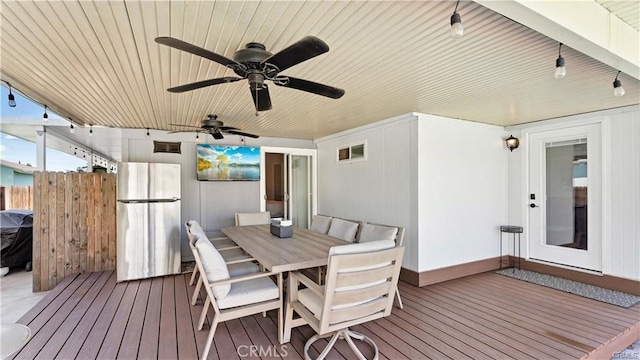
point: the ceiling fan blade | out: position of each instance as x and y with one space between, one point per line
191 126
196 50
201 84
186 131
225 128
261 99
303 50
216 135
312 87
242 134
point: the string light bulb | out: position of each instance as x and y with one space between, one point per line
197 137
457 30
71 128
561 70
148 132
618 90
90 130
12 99
45 116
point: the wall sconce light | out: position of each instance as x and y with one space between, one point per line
12 99
512 142
618 90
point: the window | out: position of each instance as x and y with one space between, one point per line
352 152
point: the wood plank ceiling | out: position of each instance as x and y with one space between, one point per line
97 63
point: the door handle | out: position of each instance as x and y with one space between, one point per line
533 206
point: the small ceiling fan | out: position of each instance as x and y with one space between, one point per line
256 64
214 127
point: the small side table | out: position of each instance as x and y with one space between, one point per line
515 230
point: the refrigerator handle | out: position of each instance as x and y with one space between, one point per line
148 201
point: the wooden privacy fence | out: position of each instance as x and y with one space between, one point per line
74 225
17 197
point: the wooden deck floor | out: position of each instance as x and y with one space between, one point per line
484 316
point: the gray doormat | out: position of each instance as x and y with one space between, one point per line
585 290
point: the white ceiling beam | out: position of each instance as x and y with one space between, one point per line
583 25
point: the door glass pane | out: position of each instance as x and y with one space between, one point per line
300 173
275 184
566 194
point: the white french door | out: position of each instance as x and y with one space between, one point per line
293 171
565 196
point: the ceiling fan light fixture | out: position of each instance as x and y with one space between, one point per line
45 116
457 30
618 90
561 70
256 81
12 99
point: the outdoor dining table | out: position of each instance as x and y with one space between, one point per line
305 249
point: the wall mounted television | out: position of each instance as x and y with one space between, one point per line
227 162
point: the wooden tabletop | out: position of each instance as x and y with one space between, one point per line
306 249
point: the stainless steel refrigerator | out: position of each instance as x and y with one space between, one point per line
148 222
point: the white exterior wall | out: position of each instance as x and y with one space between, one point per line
621 207
443 180
212 203
462 191
380 189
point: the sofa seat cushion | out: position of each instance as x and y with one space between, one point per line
250 292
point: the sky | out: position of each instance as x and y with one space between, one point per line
20 151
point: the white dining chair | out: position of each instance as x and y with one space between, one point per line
233 297
237 265
257 218
360 285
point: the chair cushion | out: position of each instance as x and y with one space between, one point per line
343 230
249 292
311 301
374 232
242 268
320 224
214 266
196 230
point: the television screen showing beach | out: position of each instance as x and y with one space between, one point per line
217 162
